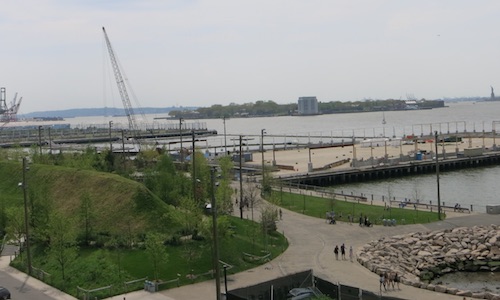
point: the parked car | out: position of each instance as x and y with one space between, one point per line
4 293
300 293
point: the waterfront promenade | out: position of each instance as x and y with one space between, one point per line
311 247
311 243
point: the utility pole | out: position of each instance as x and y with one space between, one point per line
262 151
123 150
26 223
241 178
215 234
193 157
50 142
110 142
40 140
180 136
225 140
437 176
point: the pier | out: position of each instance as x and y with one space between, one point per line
332 177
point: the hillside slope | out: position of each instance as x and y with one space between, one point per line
120 205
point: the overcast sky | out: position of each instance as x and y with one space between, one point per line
200 53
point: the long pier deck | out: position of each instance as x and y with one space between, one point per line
332 177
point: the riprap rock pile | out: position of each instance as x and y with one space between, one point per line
419 257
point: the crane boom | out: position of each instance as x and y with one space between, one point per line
129 111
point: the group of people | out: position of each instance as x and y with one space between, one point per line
342 250
388 278
363 221
457 207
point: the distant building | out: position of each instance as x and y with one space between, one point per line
308 106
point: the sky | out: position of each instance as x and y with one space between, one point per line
206 52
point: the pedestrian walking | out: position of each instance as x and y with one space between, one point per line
382 282
281 215
396 281
342 251
350 253
336 251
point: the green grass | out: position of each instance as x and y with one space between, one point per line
317 207
120 212
96 268
113 197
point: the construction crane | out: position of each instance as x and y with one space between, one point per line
8 113
129 111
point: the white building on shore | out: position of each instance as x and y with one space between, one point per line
308 106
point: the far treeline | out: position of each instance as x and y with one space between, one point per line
271 108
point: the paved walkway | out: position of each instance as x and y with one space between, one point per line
311 243
29 282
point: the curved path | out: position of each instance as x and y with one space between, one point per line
311 247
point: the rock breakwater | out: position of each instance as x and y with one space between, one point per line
420 257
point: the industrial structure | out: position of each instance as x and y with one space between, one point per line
8 113
120 81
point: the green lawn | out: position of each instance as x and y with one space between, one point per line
95 268
318 207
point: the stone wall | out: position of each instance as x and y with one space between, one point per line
419 257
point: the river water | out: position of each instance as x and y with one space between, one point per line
475 282
477 187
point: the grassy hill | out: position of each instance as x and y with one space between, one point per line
126 209
120 205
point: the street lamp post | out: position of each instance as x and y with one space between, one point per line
437 176
241 178
123 150
193 155
225 277
371 153
310 164
225 140
110 141
180 136
274 155
215 235
262 152
50 143
40 139
26 223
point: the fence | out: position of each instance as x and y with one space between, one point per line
41 274
280 288
87 293
393 201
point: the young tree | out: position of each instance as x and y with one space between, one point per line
191 254
224 190
166 182
15 223
251 197
267 182
156 251
269 212
188 214
62 247
202 174
87 216
114 245
40 209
